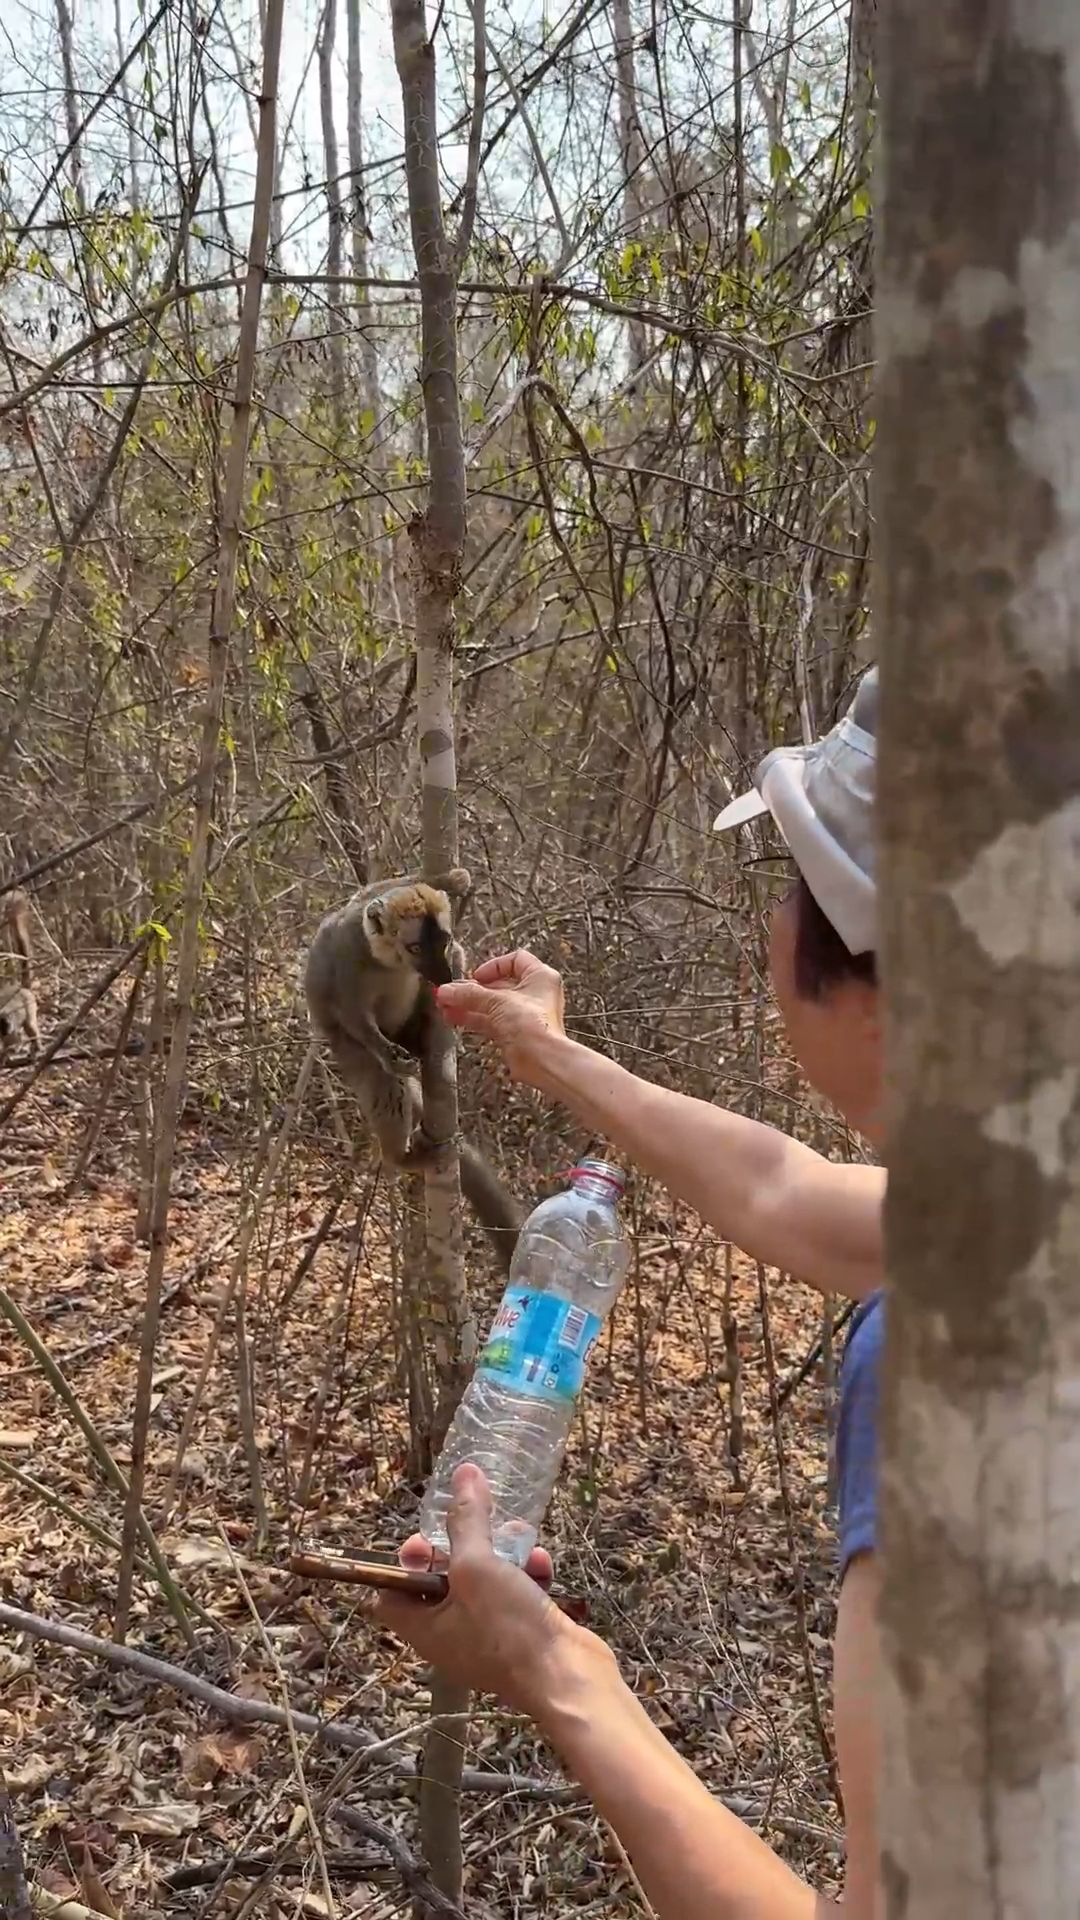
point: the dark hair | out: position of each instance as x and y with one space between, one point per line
821 959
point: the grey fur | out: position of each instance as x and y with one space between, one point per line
375 1007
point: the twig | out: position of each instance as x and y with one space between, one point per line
403 1858
807 1366
108 1081
250 1713
152 310
104 1538
631 1872
88 840
271 1150
35 1345
476 134
101 100
202 1873
290 1725
55 1908
230 516
90 999
828 1752
542 168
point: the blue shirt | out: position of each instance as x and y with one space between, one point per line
857 1431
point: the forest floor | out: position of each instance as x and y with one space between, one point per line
133 1798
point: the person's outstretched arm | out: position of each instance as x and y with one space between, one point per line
499 1632
780 1201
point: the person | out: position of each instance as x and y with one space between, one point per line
786 1205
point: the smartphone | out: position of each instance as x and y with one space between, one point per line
425 1583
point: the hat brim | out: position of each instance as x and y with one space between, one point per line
844 893
749 806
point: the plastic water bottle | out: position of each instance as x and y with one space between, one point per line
512 1422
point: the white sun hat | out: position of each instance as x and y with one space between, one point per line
822 799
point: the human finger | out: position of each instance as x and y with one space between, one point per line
419 1554
507 968
539 1567
464 1004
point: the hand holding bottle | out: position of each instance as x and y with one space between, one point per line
498 1631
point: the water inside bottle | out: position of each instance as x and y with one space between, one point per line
514 1420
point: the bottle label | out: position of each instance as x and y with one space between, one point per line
540 1344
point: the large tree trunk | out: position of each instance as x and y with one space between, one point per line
438 538
979 512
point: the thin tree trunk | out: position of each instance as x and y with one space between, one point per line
979 519
149 1094
358 219
438 537
130 120
335 212
740 590
631 153
168 1118
862 109
101 1105
862 83
14 1893
84 250
261 1184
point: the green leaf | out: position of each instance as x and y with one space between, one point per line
779 161
860 203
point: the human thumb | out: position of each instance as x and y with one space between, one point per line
468 1520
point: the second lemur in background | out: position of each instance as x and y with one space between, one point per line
18 1006
371 970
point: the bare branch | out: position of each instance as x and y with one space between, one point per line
476 134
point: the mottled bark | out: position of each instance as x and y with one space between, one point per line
979 515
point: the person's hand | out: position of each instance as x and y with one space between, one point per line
514 1001
498 1631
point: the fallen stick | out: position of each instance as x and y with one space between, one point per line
331 1733
404 1859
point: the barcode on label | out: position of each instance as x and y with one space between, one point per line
573 1328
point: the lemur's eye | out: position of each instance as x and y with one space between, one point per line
414 946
